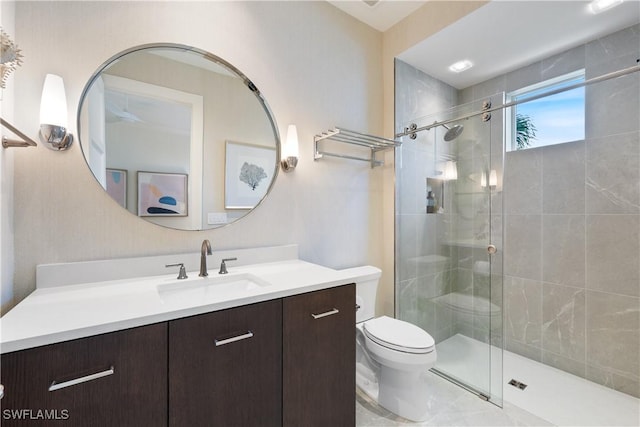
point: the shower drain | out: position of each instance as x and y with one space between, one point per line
518 384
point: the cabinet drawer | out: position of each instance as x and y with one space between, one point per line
102 380
319 358
225 368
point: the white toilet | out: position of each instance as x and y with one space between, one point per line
391 355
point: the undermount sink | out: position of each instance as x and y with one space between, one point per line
208 288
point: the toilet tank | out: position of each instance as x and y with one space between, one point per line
366 290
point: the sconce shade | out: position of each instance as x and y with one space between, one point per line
290 150
291 144
493 178
53 105
450 171
53 114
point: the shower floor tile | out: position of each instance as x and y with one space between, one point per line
451 406
562 398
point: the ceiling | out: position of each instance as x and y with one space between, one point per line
145 112
383 15
500 36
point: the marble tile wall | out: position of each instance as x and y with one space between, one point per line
571 224
424 268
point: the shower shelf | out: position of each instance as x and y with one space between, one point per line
373 143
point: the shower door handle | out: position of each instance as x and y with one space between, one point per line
492 249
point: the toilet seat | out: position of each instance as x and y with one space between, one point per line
398 335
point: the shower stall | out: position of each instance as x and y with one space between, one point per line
448 224
508 256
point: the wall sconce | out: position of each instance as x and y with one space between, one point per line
493 179
450 171
290 150
53 114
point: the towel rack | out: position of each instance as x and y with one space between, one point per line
373 143
8 142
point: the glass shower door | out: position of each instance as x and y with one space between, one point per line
449 242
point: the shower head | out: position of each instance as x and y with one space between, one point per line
452 132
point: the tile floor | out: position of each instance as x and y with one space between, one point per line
451 406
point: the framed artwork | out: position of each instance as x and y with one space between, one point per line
116 181
162 194
249 170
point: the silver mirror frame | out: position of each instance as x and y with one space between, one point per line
211 57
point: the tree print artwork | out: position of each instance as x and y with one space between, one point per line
249 171
252 175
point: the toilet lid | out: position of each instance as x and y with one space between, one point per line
398 335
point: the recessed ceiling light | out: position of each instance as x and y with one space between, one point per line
460 66
597 6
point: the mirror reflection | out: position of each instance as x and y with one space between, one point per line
178 136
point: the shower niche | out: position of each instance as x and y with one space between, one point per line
434 191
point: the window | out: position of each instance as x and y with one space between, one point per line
548 120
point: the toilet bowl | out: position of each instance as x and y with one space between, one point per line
399 345
392 355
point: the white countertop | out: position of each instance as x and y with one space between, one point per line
62 313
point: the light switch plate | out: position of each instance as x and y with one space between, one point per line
216 218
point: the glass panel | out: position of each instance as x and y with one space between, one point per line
448 212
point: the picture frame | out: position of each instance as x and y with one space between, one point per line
162 194
116 182
249 169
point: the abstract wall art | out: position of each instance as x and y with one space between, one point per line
117 185
162 194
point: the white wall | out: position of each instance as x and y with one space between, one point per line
7 12
317 68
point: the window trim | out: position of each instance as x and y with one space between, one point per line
515 95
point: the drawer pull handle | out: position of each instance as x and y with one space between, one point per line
218 342
325 314
57 386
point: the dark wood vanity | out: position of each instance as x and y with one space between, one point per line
129 389
283 362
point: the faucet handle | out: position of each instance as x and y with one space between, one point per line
223 265
183 272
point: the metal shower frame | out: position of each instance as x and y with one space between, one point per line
411 132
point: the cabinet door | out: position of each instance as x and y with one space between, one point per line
115 379
225 368
319 358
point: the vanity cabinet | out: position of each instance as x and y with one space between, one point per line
283 362
319 358
225 367
114 379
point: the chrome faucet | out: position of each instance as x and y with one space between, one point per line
183 272
223 265
204 251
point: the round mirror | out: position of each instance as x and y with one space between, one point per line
178 136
